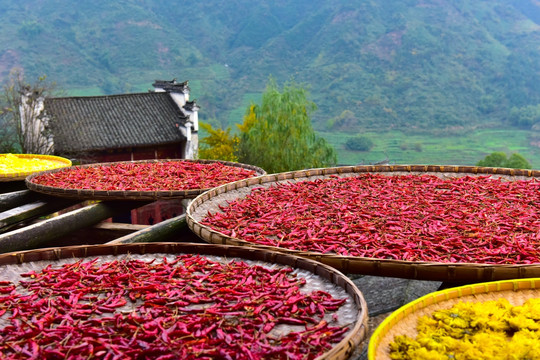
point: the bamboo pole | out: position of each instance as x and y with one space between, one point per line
167 230
42 234
31 211
162 231
16 198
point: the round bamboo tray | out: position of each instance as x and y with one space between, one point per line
353 340
59 162
403 321
90 194
422 270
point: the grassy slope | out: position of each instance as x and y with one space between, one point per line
464 149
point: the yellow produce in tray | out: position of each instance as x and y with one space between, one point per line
18 166
475 330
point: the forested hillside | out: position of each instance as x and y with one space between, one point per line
414 65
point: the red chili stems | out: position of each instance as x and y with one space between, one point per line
187 308
405 217
145 176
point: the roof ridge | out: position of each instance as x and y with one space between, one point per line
111 95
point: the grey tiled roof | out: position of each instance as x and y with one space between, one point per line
115 121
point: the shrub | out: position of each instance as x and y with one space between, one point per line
359 143
500 159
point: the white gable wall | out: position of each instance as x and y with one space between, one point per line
190 128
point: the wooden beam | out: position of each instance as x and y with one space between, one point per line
100 233
43 233
31 211
119 227
16 198
172 229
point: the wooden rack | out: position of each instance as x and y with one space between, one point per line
29 220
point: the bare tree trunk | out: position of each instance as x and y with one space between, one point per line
26 129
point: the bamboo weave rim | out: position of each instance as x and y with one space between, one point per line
88 194
403 321
435 271
342 350
21 175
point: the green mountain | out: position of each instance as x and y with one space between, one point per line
413 65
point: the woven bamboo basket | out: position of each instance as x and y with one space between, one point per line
422 270
90 194
403 321
353 340
59 162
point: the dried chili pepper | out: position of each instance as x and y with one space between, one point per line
406 217
145 176
190 307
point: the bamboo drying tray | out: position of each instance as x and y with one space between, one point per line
351 342
60 162
403 321
436 271
89 194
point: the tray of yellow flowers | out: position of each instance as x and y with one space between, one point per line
495 320
14 167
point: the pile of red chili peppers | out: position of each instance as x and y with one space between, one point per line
187 308
405 217
145 176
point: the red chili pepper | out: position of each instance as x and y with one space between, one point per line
145 176
404 217
213 309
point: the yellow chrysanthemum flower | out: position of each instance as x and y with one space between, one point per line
12 164
482 330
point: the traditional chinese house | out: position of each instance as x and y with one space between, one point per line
158 124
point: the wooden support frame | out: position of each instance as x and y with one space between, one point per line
42 233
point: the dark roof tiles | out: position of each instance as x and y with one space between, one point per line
117 121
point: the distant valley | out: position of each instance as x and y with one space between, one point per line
429 81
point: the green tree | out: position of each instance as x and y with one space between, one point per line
278 136
359 143
7 136
500 159
30 28
525 116
219 144
517 161
345 120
